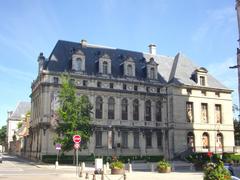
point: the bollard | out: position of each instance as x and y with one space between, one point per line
93 177
191 167
104 169
152 167
124 177
102 176
86 176
173 168
81 173
107 166
83 166
130 168
56 164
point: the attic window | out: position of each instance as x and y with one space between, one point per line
202 81
105 67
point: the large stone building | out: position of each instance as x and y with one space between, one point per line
143 103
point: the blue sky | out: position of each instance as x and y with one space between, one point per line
206 31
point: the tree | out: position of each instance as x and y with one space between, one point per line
3 135
74 116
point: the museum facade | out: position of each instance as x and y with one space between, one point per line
143 103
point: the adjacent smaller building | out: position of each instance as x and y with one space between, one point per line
15 117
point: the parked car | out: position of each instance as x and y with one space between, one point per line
231 170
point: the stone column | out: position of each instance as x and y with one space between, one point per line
118 109
130 109
130 139
142 143
153 111
105 108
141 110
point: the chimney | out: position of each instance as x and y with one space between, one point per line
152 49
84 43
41 60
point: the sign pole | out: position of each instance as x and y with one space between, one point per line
77 162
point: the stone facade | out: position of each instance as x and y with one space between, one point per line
143 103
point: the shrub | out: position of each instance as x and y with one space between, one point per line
216 171
163 164
117 165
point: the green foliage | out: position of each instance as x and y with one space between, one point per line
74 113
19 125
216 171
117 165
236 124
163 164
3 135
62 159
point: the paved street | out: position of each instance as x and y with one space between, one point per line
20 169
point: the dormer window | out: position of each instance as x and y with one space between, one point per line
104 64
151 69
129 70
202 80
201 76
152 73
129 67
78 61
105 67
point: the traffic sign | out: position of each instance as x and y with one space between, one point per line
76 146
77 138
58 146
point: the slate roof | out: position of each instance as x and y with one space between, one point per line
177 70
21 109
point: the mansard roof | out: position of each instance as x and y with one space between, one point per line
177 70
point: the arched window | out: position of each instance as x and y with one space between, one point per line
129 70
205 140
190 140
105 67
158 111
219 142
124 109
148 110
111 104
99 107
135 110
152 73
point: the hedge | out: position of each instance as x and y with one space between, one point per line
64 159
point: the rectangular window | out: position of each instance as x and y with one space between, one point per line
189 91
98 138
99 84
136 140
148 139
158 90
111 85
55 80
189 111
124 86
159 139
218 113
202 81
135 88
204 112
72 81
217 94
84 82
147 89
125 139
204 93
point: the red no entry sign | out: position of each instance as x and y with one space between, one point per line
77 138
76 146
